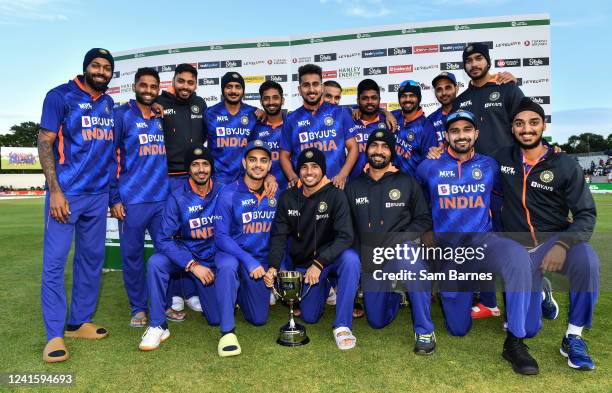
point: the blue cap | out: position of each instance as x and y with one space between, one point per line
461 115
257 144
444 75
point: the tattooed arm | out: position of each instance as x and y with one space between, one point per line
58 204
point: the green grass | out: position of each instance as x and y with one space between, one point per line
382 362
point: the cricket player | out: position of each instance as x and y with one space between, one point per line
186 244
416 134
459 185
75 145
371 119
318 124
139 185
315 221
386 201
541 188
269 130
242 235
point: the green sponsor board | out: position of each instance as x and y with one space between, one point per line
601 188
339 37
112 257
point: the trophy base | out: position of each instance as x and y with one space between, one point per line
292 337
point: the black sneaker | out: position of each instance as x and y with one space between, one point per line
517 354
425 343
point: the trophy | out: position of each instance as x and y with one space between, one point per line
289 290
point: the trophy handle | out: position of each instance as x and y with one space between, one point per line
274 290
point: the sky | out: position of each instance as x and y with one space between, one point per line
42 42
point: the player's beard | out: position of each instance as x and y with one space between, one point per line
198 181
232 101
95 85
481 74
379 165
460 150
414 107
273 113
314 102
255 176
140 99
368 109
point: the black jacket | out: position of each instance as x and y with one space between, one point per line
183 125
394 205
318 228
493 106
538 203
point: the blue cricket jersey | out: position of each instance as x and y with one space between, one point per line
227 136
460 192
361 130
188 225
438 119
83 148
327 130
414 139
244 226
140 175
271 134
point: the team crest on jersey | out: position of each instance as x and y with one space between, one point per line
195 109
395 194
476 173
410 136
272 202
247 217
381 125
328 121
309 154
244 120
322 207
494 96
547 176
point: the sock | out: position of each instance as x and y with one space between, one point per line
573 329
164 325
72 328
228 332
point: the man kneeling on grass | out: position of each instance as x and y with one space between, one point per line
186 244
316 222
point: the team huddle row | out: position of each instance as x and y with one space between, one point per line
232 194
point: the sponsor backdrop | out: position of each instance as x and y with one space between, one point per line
387 54
25 158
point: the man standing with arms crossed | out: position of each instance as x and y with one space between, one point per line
318 124
139 186
75 145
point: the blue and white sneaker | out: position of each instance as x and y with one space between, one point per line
550 308
575 350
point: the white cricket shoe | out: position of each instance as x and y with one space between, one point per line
152 337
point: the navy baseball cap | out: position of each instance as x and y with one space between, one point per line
461 115
257 144
444 75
